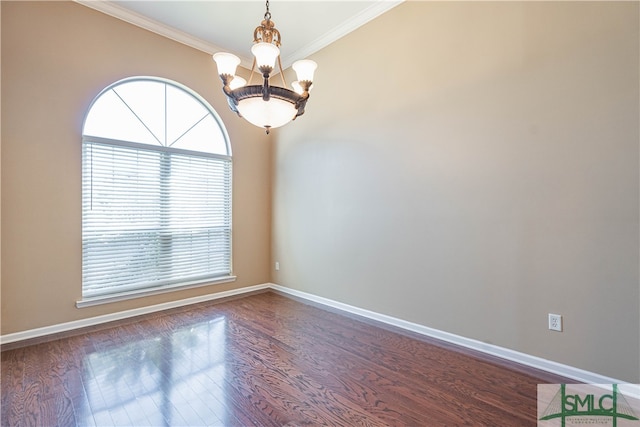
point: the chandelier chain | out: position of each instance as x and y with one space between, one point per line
267 14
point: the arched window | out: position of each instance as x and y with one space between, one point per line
156 191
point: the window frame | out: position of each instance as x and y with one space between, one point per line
90 300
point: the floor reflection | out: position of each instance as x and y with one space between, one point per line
174 379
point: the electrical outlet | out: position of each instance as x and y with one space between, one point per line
555 322
277 266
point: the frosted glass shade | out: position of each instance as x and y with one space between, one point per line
297 88
304 69
269 114
237 82
226 62
265 53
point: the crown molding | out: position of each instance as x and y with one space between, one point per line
376 9
124 14
112 9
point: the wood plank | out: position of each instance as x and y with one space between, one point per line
264 360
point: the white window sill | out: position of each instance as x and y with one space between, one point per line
138 293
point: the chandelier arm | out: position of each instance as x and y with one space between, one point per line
253 68
284 83
231 99
301 103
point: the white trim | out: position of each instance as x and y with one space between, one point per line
112 9
77 324
127 15
567 371
145 292
336 33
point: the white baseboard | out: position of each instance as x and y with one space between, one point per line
92 321
567 371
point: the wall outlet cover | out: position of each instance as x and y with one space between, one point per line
555 322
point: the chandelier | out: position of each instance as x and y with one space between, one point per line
265 105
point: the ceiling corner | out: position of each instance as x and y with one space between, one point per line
376 9
124 14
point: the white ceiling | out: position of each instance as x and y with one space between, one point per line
306 26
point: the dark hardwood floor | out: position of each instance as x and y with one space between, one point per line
265 360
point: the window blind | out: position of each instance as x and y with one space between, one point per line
152 216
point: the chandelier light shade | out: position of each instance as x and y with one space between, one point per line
265 105
266 55
226 62
304 69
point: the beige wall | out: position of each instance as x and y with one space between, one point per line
471 167
478 172
56 57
